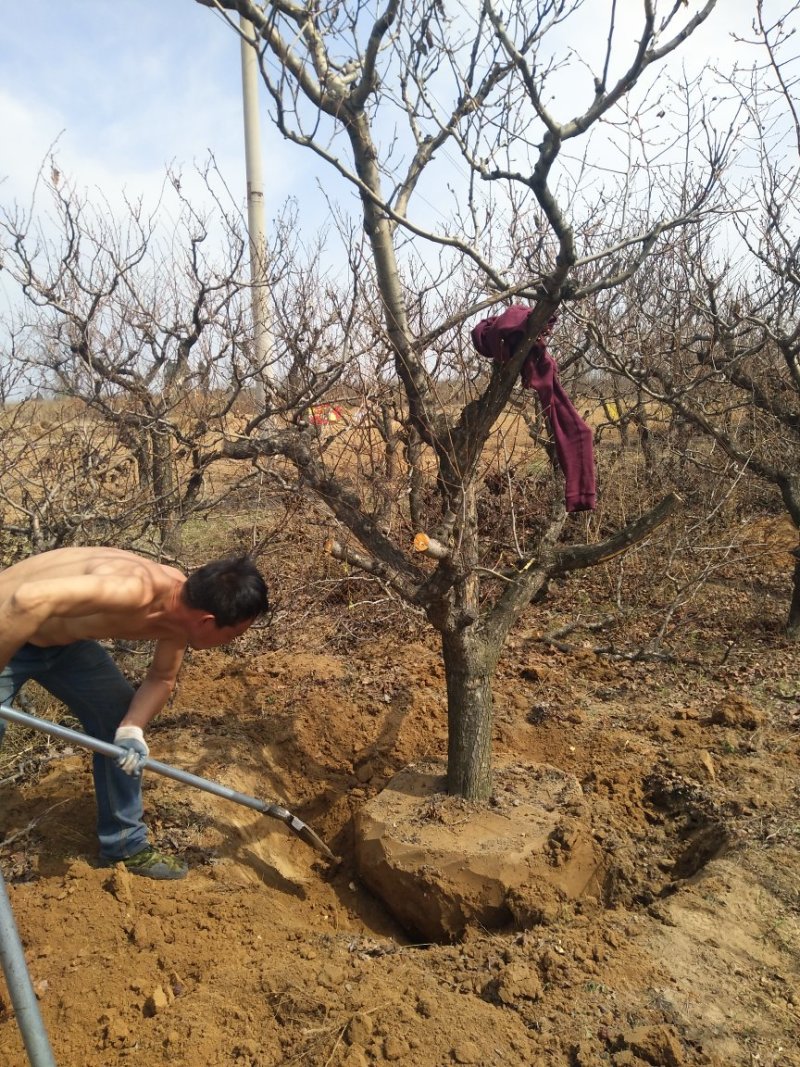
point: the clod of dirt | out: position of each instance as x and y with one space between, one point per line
115 1032
119 884
441 864
156 1002
518 981
359 1029
735 711
656 1045
466 1052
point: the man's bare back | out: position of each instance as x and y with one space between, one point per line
71 594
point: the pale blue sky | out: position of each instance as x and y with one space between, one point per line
127 87
132 85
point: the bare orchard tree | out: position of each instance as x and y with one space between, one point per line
145 330
477 145
61 482
713 331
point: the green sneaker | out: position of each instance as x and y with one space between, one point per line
153 864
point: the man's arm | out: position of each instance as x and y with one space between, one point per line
30 605
35 602
77 595
155 690
148 700
14 632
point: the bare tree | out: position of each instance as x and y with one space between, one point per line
713 331
145 330
404 105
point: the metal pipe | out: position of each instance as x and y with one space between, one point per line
104 748
20 987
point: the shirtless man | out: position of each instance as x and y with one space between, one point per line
54 607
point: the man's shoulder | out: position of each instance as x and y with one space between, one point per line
130 564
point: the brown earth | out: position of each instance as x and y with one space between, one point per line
687 952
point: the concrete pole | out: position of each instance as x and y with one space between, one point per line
255 209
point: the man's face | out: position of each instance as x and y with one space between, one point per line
205 633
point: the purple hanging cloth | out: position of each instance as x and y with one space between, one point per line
496 338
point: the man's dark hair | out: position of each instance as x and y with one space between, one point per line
231 590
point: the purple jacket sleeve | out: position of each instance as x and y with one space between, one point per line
496 338
571 435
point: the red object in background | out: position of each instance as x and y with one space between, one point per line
324 413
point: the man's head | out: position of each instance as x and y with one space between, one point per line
226 597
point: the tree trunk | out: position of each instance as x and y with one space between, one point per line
793 625
165 494
133 435
469 664
790 491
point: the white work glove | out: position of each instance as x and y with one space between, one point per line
131 738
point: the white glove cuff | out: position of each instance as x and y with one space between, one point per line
130 733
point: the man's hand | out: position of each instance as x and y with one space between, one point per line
131 738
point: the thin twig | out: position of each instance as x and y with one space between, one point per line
34 822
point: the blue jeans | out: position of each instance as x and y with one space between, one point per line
87 680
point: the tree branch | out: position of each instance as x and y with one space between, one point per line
579 557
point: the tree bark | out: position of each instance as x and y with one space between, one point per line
793 624
469 664
165 493
790 491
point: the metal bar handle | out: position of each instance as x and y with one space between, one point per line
105 748
20 987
